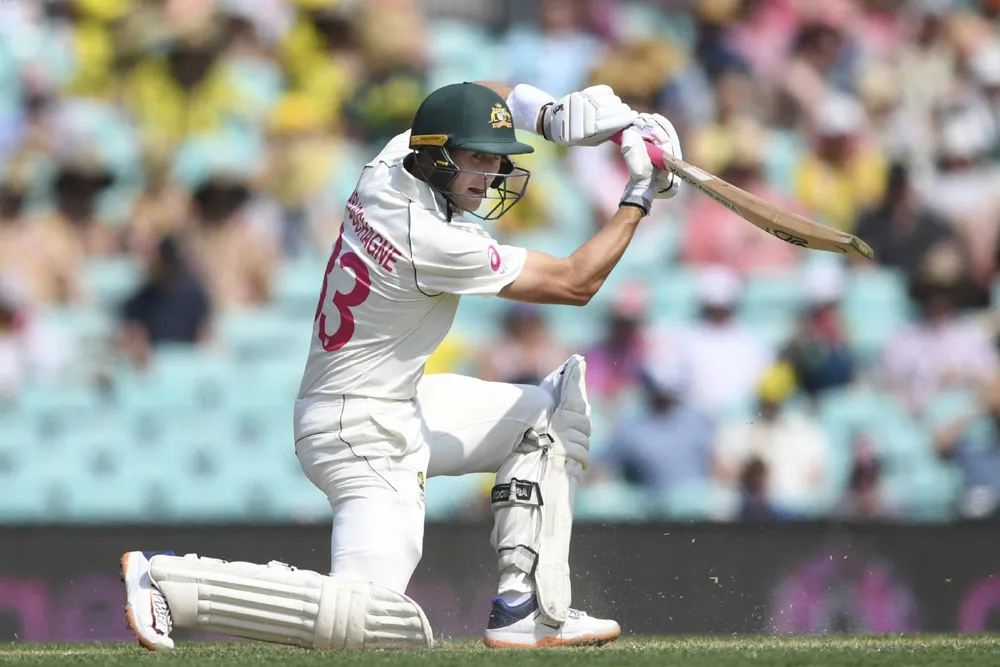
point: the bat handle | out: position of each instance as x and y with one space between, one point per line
655 152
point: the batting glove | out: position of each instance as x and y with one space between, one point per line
642 175
657 129
586 118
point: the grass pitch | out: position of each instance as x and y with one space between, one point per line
915 651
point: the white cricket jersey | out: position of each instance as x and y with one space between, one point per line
393 282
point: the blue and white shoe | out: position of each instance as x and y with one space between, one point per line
146 609
524 626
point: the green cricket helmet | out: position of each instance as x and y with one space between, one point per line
467 116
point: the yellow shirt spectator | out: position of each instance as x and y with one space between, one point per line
166 112
95 55
837 193
844 174
328 78
449 357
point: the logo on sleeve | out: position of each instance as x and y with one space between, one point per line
494 258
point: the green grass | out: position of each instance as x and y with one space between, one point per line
912 651
915 651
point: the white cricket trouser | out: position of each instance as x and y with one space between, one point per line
372 457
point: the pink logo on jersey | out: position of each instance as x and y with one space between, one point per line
494 258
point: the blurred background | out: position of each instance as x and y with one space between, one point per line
173 173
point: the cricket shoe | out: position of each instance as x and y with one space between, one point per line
524 626
146 609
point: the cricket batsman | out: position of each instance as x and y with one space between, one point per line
370 427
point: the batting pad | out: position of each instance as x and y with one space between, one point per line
532 501
281 604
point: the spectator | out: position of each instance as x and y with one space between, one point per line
845 173
613 364
186 92
45 263
755 496
393 42
967 187
558 54
716 235
669 444
234 257
898 134
926 58
714 145
985 67
789 442
170 307
305 158
809 74
78 183
976 453
865 499
30 351
863 502
526 351
901 229
820 353
453 355
943 348
163 208
321 56
727 359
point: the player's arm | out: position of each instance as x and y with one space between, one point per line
575 280
585 118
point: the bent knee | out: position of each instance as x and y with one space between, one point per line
536 406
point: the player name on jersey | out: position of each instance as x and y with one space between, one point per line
378 247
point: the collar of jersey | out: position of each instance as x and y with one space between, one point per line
416 190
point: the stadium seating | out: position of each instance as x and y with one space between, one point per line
203 435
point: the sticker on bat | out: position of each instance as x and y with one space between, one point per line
790 238
699 174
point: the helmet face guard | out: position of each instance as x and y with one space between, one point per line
501 190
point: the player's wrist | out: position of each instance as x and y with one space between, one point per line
637 204
528 107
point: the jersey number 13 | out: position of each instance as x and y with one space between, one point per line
332 342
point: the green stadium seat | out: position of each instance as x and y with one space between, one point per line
298 285
21 463
180 377
480 317
112 280
766 297
696 501
256 334
875 306
447 497
674 297
781 159
612 501
460 51
576 327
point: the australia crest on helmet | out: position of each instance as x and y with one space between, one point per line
500 117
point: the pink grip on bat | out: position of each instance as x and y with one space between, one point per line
655 152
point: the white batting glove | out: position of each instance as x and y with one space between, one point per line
586 118
642 175
659 130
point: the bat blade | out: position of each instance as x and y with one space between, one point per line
776 221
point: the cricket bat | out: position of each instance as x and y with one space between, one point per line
776 221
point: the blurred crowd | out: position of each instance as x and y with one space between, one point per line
215 142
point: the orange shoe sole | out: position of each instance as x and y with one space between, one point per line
129 617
